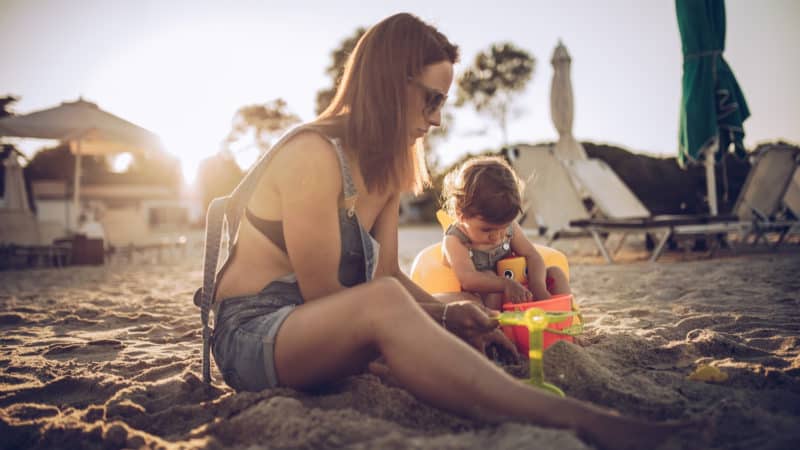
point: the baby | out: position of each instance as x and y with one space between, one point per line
484 196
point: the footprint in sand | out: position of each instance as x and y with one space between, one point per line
97 350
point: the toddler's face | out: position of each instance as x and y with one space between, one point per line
481 232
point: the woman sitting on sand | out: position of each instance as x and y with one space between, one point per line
312 290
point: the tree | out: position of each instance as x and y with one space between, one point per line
336 69
5 103
58 163
493 79
217 176
265 121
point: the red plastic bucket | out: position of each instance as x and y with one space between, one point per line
520 336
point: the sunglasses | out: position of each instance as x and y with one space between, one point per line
434 98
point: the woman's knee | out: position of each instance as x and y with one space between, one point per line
389 299
390 290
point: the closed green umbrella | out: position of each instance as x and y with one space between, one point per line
713 107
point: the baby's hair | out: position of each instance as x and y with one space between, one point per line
485 186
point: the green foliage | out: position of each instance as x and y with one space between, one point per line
493 79
58 163
264 120
335 70
5 105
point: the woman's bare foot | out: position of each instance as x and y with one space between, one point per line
620 432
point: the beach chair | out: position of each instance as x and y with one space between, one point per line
792 197
791 200
551 198
555 208
756 212
769 184
620 212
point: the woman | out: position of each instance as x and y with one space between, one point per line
312 290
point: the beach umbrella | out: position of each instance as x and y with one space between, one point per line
15 196
713 107
88 129
562 105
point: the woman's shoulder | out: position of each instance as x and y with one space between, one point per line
306 148
308 158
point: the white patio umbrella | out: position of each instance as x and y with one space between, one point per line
15 196
562 105
88 129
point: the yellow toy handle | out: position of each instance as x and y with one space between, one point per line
537 321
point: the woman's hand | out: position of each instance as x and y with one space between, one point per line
515 292
477 325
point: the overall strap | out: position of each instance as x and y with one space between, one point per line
453 230
348 186
214 224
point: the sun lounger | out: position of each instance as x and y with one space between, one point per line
754 213
769 184
792 197
551 198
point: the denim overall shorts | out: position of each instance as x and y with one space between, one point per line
484 260
244 327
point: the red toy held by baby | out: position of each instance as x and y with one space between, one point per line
516 269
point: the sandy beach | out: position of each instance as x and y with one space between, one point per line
109 357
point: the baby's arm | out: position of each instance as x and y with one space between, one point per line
537 272
457 256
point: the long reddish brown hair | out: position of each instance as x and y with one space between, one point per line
369 110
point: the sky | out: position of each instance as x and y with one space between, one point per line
182 68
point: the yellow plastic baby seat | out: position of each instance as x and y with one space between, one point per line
431 273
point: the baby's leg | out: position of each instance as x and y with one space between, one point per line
492 300
557 282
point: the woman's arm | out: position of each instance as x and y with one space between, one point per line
470 321
536 268
385 231
309 184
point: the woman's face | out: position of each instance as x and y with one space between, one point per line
427 95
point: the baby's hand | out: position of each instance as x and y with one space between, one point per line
515 292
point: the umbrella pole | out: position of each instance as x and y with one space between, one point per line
76 188
711 181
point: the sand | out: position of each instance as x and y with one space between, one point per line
109 357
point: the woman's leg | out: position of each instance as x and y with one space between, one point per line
338 335
560 282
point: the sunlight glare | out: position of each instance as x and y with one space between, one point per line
163 85
121 162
